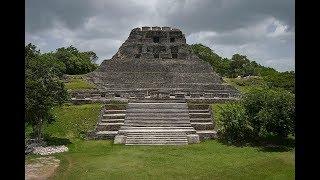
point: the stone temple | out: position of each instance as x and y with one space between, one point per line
157 73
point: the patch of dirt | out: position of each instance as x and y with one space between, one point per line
41 168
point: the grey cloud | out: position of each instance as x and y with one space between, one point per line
231 25
224 15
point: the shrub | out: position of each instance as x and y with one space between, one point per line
234 123
262 114
270 112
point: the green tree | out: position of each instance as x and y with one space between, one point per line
76 62
43 89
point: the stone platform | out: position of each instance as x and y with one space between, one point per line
155 123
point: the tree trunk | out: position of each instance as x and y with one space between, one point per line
38 132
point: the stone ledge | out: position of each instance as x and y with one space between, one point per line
193 138
119 139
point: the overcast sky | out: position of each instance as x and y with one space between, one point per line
264 30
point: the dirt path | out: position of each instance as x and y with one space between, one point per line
41 168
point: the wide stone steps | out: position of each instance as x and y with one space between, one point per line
156 106
129 129
158 121
156 138
158 101
158 115
157 118
158 125
157 111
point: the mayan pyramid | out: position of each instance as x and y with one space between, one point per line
157 62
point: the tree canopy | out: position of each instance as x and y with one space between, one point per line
43 88
240 65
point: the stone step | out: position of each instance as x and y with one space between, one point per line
109 126
157 118
156 138
157 106
152 114
128 129
158 125
157 101
164 110
206 134
156 133
203 126
164 121
156 144
112 120
198 110
105 134
198 106
165 138
114 111
152 141
113 116
155 122
159 128
200 115
194 120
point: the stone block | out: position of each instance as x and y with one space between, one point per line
166 28
145 28
119 139
193 138
156 28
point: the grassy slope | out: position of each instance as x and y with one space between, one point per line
72 120
207 160
77 83
243 85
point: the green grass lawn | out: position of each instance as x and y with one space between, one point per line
207 160
77 83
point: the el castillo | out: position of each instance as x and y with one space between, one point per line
156 73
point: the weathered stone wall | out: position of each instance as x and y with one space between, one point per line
156 62
154 43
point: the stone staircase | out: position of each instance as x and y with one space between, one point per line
158 122
111 119
201 120
155 123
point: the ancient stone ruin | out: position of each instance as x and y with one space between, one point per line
157 73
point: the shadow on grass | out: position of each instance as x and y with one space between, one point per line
268 144
55 141
274 144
